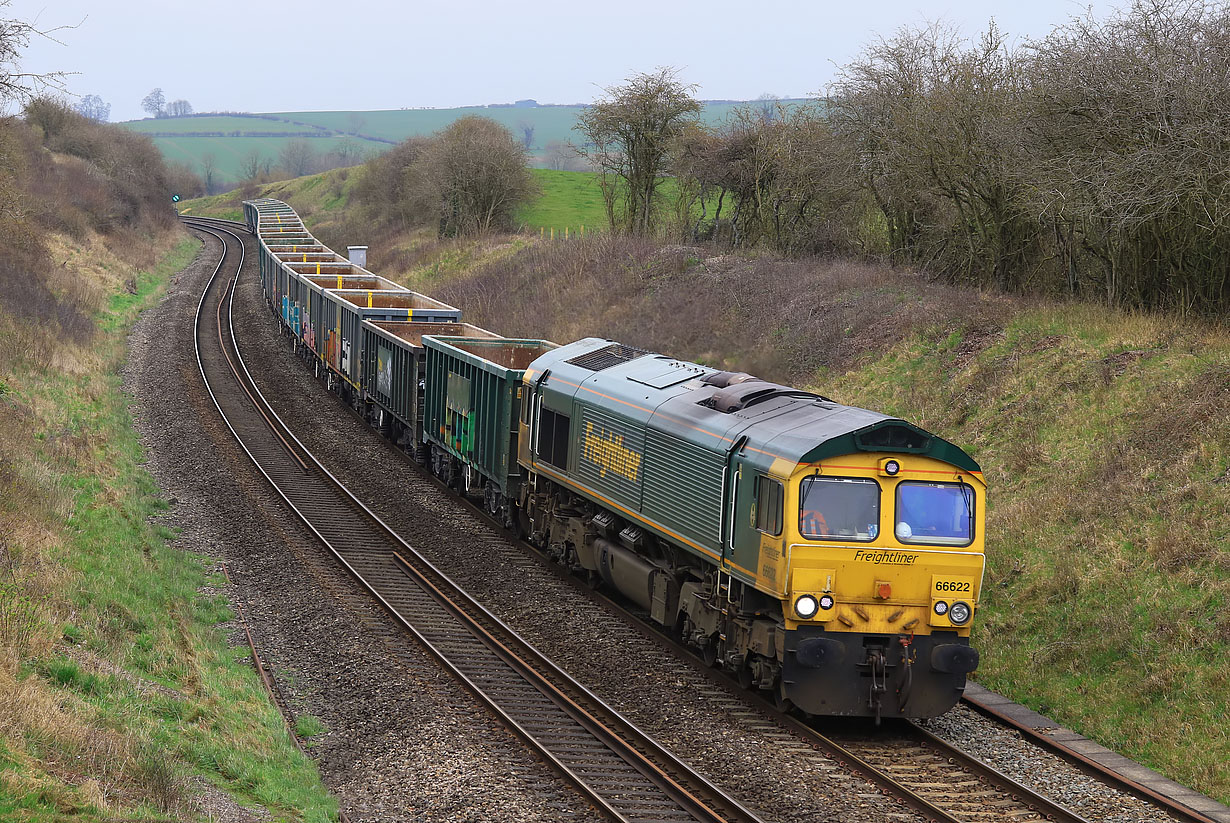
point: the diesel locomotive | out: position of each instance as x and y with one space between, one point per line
828 555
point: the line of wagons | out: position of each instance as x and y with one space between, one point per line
402 359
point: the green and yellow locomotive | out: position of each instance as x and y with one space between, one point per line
827 554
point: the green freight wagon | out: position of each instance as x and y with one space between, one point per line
470 413
393 367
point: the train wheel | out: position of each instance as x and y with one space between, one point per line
745 675
709 652
784 704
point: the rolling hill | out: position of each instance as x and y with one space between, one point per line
231 138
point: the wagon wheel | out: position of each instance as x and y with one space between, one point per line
745 674
709 652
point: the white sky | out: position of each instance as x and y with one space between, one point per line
316 55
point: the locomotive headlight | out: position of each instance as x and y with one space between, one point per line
940 607
806 606
826 601
890 467
959 613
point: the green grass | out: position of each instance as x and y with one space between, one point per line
136 602
216 123
324 194
309 725
570 199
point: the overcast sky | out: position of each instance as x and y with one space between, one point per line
318 55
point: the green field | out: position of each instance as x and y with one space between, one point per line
230 152
550 124
570 200
220 123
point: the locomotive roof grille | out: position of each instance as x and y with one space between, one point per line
607 356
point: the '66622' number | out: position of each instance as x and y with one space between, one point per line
952 586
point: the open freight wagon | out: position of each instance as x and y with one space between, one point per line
394 363
344 310
309 298
471 405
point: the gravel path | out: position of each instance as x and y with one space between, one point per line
403 742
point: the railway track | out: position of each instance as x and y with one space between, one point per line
923 771
622 771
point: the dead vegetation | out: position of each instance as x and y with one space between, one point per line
782 319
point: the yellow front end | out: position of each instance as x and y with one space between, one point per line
882 581
880 568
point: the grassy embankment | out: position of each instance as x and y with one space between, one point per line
119 694
1105 438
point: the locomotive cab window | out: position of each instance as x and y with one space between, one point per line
769 494
937 513
839 508
553 437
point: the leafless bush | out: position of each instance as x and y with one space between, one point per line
1128 119
628 134
467 179
1091 162
382 190
772 176
935 122
126 165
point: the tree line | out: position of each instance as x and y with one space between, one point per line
1093 162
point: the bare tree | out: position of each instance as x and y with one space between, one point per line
154 103
526 128
473 176
251 165
348 151
768 104
297 158
356 122
93 107
559 154
627 134
209 168
16 85
179 108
